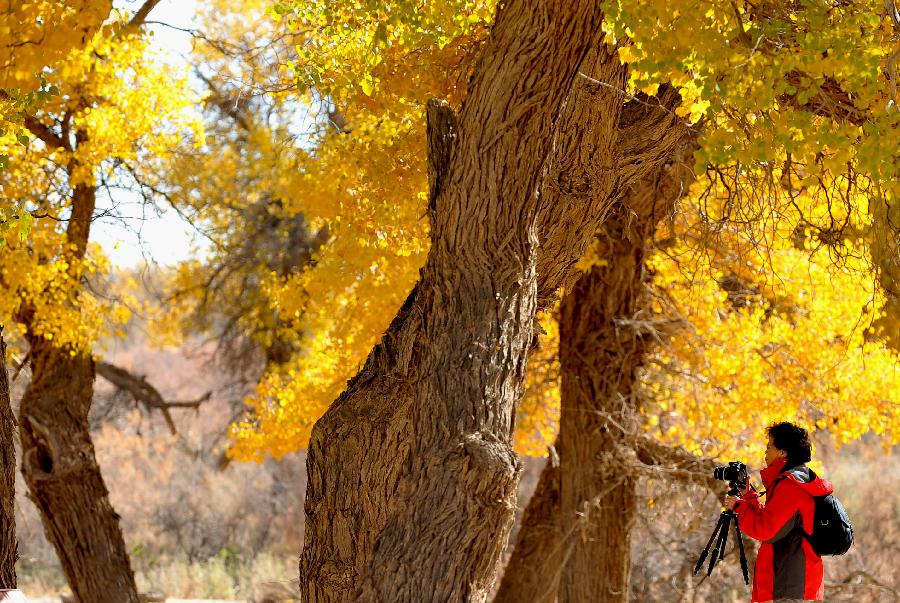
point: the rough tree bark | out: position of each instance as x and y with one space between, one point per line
8 546
64 479
589 499
412 477
532 573
58 459
600 351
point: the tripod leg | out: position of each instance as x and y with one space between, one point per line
740 543
708 544
725 537
719 546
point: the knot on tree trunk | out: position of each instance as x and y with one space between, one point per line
495 460
39 461
487 451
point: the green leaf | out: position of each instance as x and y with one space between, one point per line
23 139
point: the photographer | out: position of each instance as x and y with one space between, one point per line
787 569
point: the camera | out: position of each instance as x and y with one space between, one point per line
735 473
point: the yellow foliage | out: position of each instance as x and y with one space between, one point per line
35 36
774 160
791 338
39 33
115 106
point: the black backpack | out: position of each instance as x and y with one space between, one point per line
832 532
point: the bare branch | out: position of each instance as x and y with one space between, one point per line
656 459
144 393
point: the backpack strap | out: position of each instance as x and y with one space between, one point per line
772 487
790 472
798 528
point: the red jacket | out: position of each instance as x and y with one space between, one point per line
786 566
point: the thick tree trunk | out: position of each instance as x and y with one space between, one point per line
62 474
412 477
58 459
8 547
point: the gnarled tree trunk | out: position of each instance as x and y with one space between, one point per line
412 477
411 473
8 547
590 498
58 459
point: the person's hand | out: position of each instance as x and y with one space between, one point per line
730 502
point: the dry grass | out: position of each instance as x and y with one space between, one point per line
197 531
219 577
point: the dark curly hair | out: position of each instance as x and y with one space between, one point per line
794 440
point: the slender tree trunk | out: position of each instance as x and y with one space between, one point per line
8 546
58 459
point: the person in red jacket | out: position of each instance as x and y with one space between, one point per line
787 569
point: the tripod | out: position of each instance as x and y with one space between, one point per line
720 536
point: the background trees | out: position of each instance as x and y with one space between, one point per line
111 114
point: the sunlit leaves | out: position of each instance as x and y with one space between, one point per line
774 331
105 104
401 48
798 138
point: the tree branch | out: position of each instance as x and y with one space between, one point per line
141 15
45 134
655 459
144 393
